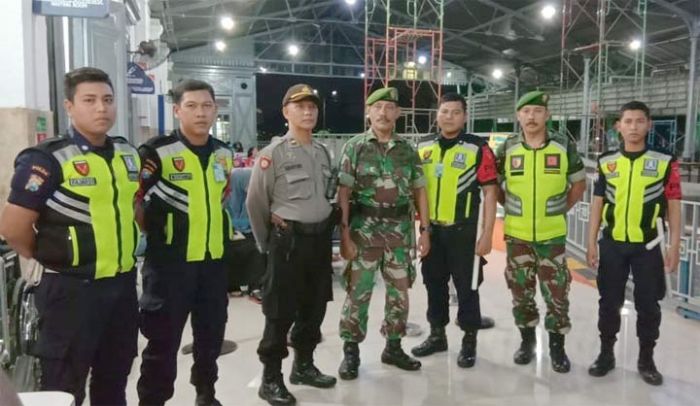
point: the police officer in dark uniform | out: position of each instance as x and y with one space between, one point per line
71 209
457 166
290 214
636 186
183 185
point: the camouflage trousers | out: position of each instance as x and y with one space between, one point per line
528 262
397 271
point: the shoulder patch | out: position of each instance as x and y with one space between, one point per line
265 162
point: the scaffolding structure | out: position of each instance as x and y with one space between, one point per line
407 53
588 67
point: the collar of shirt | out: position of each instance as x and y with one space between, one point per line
547 137
189 145
392 141
633 155
85 145
447 143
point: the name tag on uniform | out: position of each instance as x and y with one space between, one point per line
219 174
82 181
180 176
438 170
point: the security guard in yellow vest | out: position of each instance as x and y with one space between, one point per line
542 177
183 183
457 166
636 186
71 209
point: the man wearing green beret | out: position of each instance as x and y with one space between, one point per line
381 181
541 177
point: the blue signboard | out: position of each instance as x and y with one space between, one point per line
138 81
72 8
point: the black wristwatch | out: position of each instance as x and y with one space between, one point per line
425 228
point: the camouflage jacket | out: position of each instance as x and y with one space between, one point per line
380 175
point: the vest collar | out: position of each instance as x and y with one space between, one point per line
84 145
521 139
187 143
633 155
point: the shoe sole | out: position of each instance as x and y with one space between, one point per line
272 402
400 367
296 381
430 353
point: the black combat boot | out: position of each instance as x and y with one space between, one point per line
304 372
526 352
436 342
272 388
646 366
351 361
467 355
560 362
205 396
606 359
393 354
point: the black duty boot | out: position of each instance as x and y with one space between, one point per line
526 352
436 342
351 361
205 396
272 388
560 362
393 354
486 323
467 355
646 366
304 372
606 359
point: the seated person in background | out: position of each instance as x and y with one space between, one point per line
248 263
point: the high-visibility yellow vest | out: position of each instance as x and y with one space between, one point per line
452 186
88 227
634 194
536 186
185 216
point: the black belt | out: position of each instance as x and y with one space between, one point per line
394 211
308 228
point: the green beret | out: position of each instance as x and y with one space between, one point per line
534 98
386 93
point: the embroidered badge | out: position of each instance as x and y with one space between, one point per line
611 166
34 183
552 161
40 170
82 167
130 163
265 162
651 164
427 153
516 162
179 163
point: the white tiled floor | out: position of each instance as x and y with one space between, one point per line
495 380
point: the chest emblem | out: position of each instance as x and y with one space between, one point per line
651 164
552 161
611 166
516 162
82 167
179 163
427 153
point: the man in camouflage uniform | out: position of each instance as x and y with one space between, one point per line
380 176
541 177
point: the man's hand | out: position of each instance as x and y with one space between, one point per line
424 244
672 259
278 221
592 256
483 246
348 248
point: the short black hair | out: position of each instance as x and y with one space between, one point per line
635 105
190 85
453 97
72 79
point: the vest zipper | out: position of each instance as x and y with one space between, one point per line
115 201
439 182
534 195
206 196
627 207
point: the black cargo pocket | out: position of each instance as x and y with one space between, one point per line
57 300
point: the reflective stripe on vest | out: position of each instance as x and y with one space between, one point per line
99 196
536 184
634 195
451 181
199 199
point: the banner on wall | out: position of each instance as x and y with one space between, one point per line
72 8
138 81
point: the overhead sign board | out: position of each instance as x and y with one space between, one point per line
72 8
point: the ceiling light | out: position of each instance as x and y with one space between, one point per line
635 44
422 59
293 50
497 73
316 91
334 93
350 2
220 45
227 23
548 12
448 74
362 74
263 69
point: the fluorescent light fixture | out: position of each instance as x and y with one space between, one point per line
334 93
227 23
422 59
263 69
635 44
497 73
351 2
362 74
220 45
293 49
448 74
548 12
